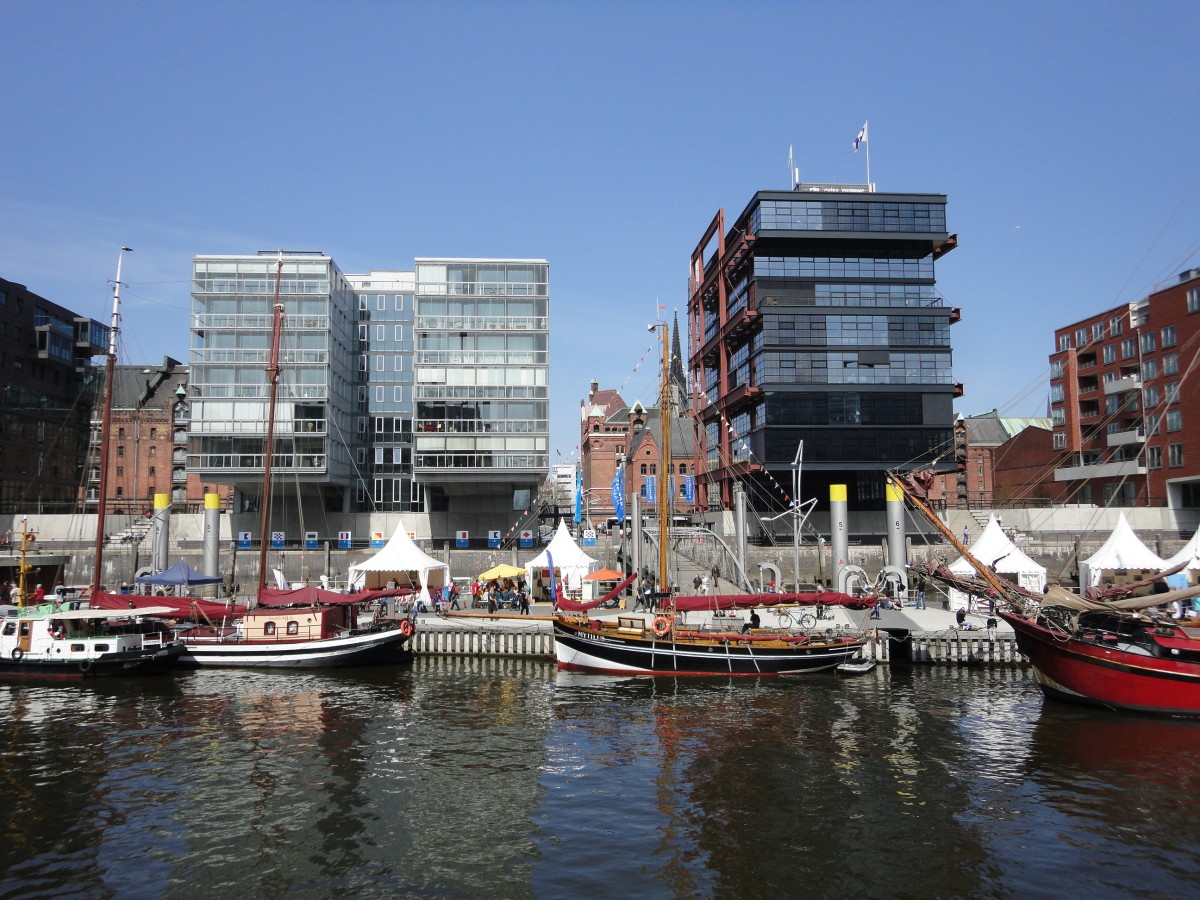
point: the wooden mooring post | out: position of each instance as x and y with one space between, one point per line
946 648
435 640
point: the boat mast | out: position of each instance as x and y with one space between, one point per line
110 368
664 499
22 568
269 452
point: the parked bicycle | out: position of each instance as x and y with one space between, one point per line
796 618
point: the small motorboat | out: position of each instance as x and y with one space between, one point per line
856 665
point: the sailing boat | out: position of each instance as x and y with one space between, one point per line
1120 653
303 628
687 636
50 641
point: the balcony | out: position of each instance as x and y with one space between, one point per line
1123 469
1121 385
1125 438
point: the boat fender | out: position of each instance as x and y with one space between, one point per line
85 666
17 653
662 626
406 627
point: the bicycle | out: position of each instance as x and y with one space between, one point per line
801 620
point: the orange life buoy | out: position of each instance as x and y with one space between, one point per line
406 627
662 626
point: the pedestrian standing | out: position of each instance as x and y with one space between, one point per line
704 585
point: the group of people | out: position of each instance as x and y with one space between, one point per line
513 594
702 584
11 593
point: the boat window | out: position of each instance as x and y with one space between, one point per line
269 628
293 628
10 627
77 648
102 648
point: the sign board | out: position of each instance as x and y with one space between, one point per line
278 538
343 540
589 537
493 539
245 540
310 540
526 539
377 539
462 539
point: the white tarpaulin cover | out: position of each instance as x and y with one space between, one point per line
1122 550
398 558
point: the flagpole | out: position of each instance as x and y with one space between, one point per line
867 141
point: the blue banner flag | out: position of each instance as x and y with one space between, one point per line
618 494
650 490
689 488
550 566
578 495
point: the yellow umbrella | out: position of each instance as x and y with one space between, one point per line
504 570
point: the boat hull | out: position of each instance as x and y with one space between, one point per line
583 649
149 661
1117 676
369 648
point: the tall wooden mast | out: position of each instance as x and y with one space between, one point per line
664 499
269 444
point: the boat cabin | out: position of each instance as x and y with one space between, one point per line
309 623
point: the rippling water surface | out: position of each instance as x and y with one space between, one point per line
465 778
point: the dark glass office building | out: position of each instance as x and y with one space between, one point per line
815 318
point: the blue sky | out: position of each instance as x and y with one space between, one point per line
603 137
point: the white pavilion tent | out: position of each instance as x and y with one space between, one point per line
994 548
1122 550
402 561
571 562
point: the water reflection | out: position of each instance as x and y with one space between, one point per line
464 777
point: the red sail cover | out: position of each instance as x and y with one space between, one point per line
575 606
315 596
700 602
184 607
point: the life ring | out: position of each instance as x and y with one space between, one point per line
406 627
85 666
17 653
662 626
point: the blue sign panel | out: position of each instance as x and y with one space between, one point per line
589 537
310 540
462 539
526 539
493 539
245 540
343 540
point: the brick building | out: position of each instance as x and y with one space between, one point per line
150 422
1123 401
1001 462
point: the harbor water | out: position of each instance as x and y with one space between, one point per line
506 778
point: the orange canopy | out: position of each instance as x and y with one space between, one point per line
603 575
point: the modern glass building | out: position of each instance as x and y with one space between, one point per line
315 421
481 431
422 392
384 393
816 318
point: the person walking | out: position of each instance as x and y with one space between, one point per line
704 586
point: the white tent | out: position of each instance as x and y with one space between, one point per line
402 561
993 548
1190 554
571 562
1122 550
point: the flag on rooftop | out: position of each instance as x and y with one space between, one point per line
862 137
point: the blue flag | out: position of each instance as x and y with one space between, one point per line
618 494
550 566
578 495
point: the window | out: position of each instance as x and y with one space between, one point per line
1175 455
1128 348
1171 392
1060 440
1193 300
1154 457
1056 393
1081 337
1168 336
293 627
379 456
1056 370
1170 364
120 471
1149 369
1098 331
1058 417
121 450
1111 404
1064 342
399 330
153 472
643 468
153 434
1152 397
1148 344
1116 325
1174 420
269 629
1110 353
